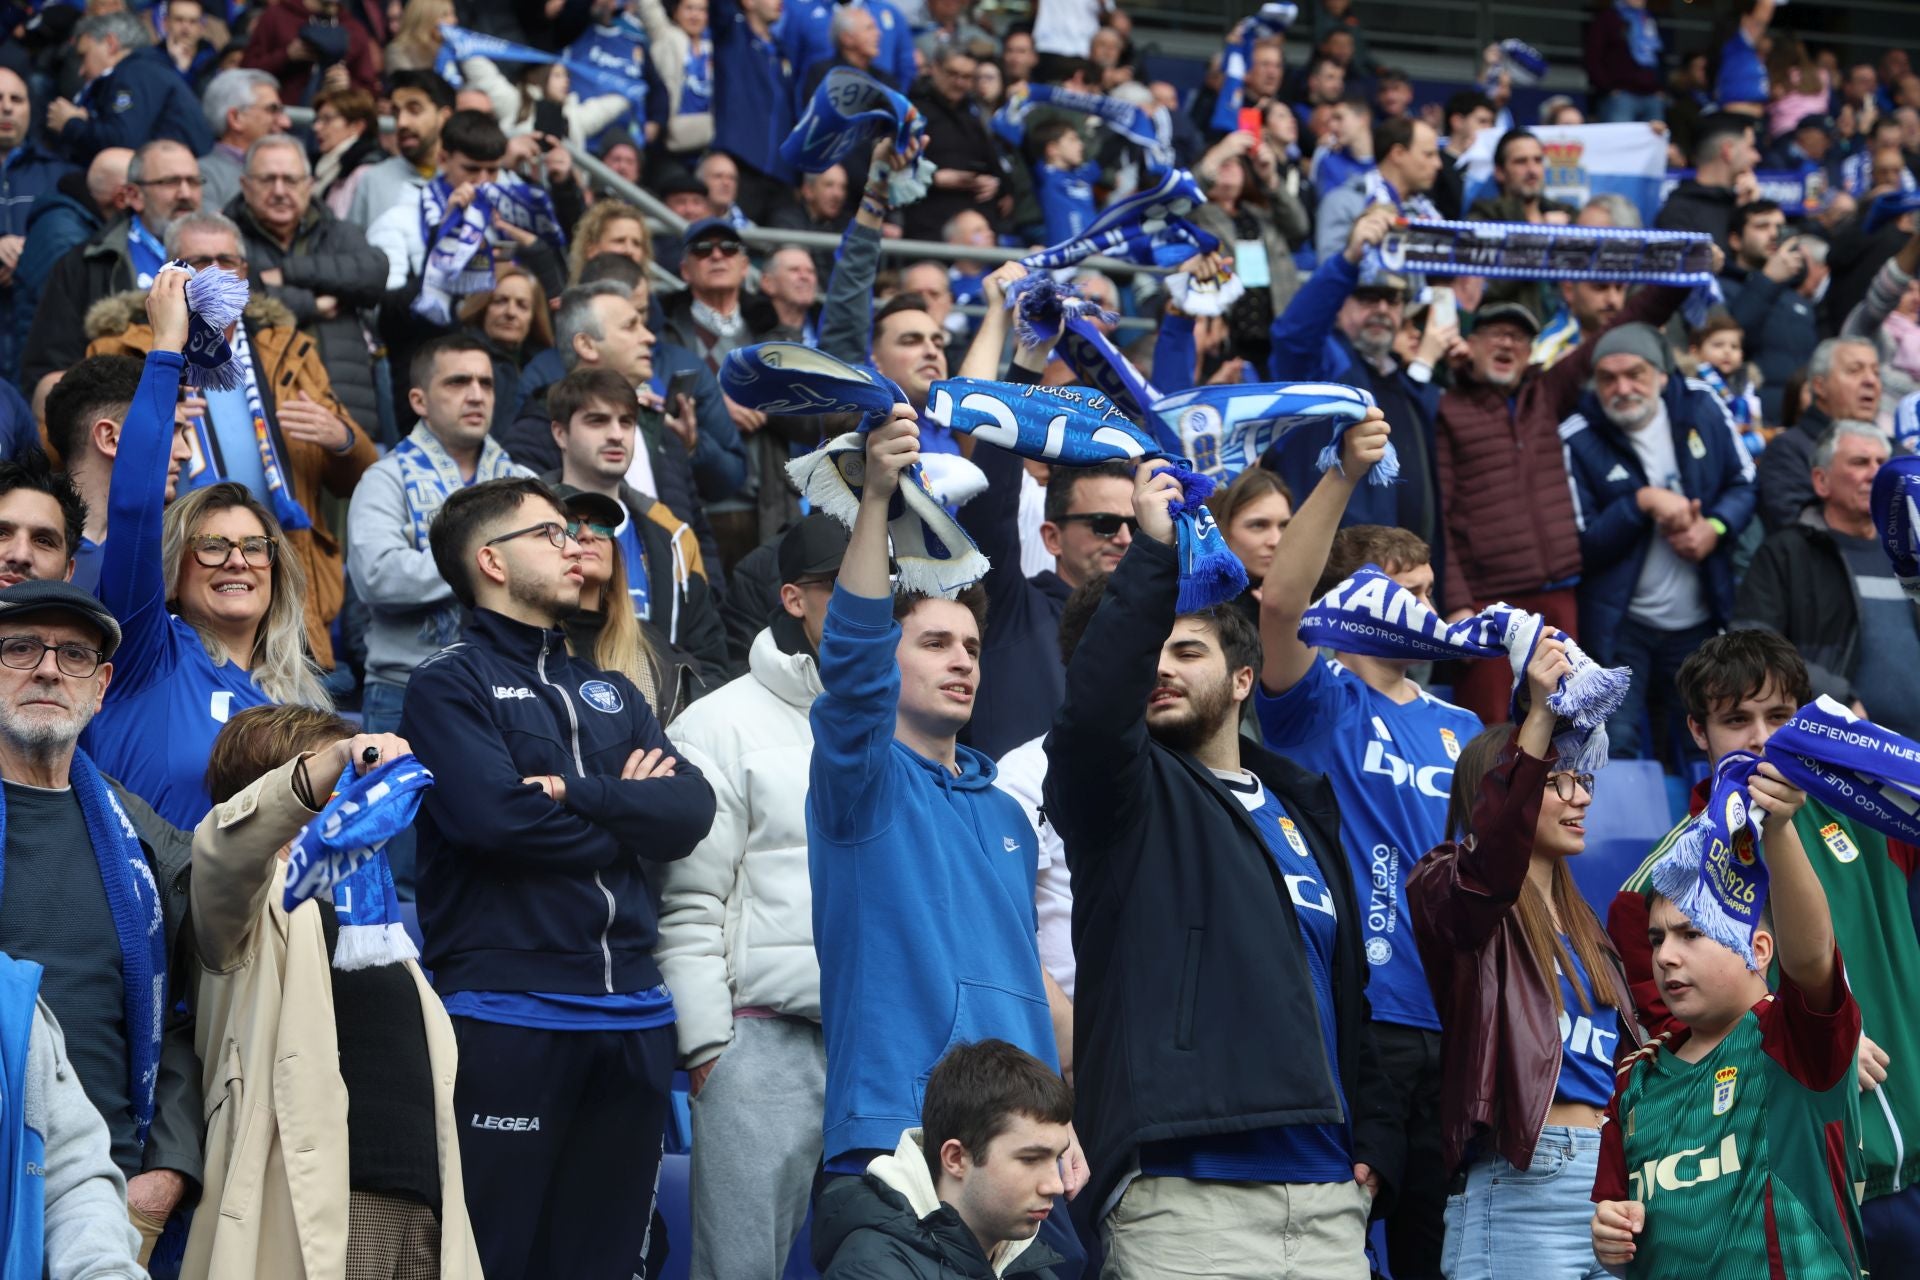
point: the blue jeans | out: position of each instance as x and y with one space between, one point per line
1652 701
380 713
1626 108
1527 1224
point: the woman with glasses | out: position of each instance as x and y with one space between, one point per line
607 631
346 141
1533 1002
211 607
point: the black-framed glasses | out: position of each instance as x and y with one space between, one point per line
577 527
191 181
707 248
552 530
213 551
23 653
1564 784
1103 523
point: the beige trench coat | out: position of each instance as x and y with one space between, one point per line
275 1197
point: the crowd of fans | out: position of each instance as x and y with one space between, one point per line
951 910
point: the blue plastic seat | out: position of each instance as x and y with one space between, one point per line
1629 816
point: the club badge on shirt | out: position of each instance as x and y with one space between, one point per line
601 696
1838 844
1451 743
1695 445
1292 833
1723 1081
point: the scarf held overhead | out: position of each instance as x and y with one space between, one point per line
931 552
598 76
1149 227
1852 765
1372 615
341 851
849 110
1152 134
1713 873
1077 427
1896 514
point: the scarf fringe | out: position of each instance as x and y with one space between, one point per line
1677 878
1385 471
366 946
833 498
907 186
221 377
1205 298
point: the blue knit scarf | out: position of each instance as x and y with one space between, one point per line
1896 514
1271 20
932 554
459 257
133 899
1136 124
1224 430
1076 427
1712 872
428 476
342 850
1372 615
1149 227
215 301
849 110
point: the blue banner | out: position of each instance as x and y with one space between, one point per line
604 74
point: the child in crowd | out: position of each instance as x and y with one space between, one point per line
1063 179
1732 1145
1717 349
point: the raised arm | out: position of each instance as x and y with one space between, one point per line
1802 924
846 321
1288 589
1300 332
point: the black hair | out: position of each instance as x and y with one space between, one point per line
98 387
475 135
1714 129
1396 131
617 267
33 470
1061 482
1465 103
420 369
469 512
893 306
1738 665
1238 637
975 1091
1507 139
431 83
972 598
1744 213
1046 135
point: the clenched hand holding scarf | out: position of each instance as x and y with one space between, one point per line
851 109
342 851
933 555
1896 514
459 257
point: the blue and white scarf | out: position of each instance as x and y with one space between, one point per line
342 852
599 76
1856 175
1870 774
1887 208
1271 20
1151 132
1643 34
1372 615
1743 405
459 255
133 899
1076 427
1379 191
1226 429
1896 515
1906 422
1713 872
1149 227
696 84
1047 312
1526 64
933 555
849 111
286 508
215 301
428 477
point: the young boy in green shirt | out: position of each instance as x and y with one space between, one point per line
1731 1147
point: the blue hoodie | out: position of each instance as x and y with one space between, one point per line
922 894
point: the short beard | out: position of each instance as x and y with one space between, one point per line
1374 349
545 600
41 740
1207 710
1632 421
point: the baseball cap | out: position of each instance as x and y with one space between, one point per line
1383 282
25 599
1632 340
594 508
1509 312
812 548
712 229
679 184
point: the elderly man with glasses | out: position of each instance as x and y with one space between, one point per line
321 268
123 255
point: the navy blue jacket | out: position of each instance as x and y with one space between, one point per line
144 97
1615 534
28 174
1307 348
518 893
1782 329
754 74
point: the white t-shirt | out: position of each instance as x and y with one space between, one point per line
1067 26
1668 594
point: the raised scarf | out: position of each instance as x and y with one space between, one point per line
1712 872
1372 615
1522 61
215 301
593 77
134 901
342 851
850 110
1078 427
459 256
1271 20
1149 227
1134 123
931 552
428 477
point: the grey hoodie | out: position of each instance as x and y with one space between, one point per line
88 1234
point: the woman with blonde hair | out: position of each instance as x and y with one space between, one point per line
1533 1002
211 605
609 226
416 42
513 319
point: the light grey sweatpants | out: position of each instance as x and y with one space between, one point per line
756 1148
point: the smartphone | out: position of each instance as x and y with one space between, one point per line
549 117
682 383
1445 310
1252 120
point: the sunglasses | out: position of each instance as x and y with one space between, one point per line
577 527
707 248
1564 784
1104 524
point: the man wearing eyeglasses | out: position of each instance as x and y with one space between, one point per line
243 107
125 254
320 267
556 790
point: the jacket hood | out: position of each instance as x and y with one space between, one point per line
897 1199
794 678
977 769
114 315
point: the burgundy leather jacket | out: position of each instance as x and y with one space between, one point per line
1500 1039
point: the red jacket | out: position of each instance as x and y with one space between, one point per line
1509 525
1500 1041
279 26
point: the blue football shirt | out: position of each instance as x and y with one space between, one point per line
1587 1040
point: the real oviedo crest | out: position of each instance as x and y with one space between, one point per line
601 696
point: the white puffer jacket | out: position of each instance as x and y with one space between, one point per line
736 915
